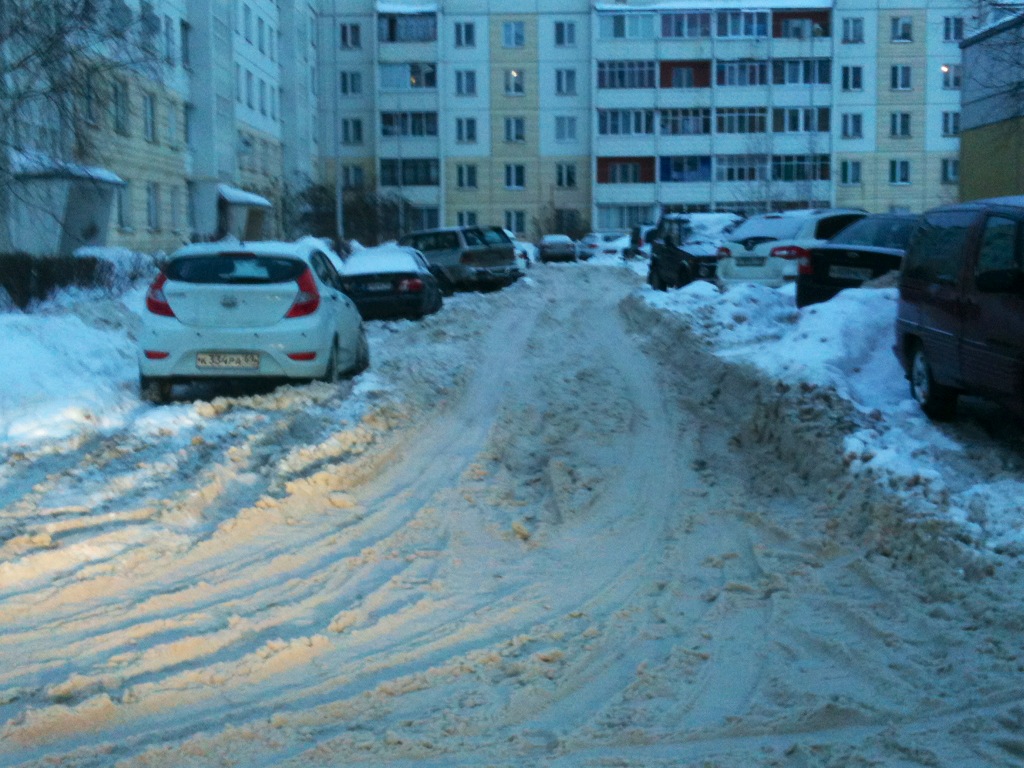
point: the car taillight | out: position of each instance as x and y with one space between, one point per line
723 253
411 285
302 356
308 298
152 354
805 266
156 302
789 252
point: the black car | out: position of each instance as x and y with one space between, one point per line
865 250
390 282
684 247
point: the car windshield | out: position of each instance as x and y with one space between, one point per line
771 227
234 268
879 231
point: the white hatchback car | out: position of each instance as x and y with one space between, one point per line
234 310
614 244
767 248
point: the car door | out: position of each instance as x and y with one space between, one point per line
344 313
993 327
930 288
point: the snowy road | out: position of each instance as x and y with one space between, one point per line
533 534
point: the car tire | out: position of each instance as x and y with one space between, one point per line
156 391
936 400
330 374
362 354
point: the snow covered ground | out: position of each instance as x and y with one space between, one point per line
226 580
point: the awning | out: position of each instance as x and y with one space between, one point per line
236 196
38 165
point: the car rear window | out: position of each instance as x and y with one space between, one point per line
495 237
235 268
878 231
771 227
830 226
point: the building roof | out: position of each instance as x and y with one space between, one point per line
31 164
236 196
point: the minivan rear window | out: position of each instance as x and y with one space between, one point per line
936 251
234 269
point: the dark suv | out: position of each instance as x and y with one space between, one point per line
467 257
684 247
960 322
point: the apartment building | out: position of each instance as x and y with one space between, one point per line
568 111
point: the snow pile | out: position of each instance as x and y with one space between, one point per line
843 348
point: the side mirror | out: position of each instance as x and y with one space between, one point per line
1000 281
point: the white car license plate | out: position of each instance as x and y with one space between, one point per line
849 273
228 360
749 261
378 287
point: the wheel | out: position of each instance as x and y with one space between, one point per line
936 400
156 391
684 277
446 285
362 354
330 375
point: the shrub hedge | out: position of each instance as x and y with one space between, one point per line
32 278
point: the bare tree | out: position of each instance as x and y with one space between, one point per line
56 58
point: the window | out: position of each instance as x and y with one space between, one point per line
625 74
351 83
800 119
622 26
950 123
465 82
998 250
565 175
175 209
953 28
409 173
405 77
681 77
685 122
899 171
153 205
899 77
686 168
513 34
261 35
625 122
902 29
801 71
741 24
565 82
351 130
185 32
172 124
247 15
741 167
465 34
263 97
466 176
249 90
515 129
190 125
741 73
853 125
849 172
515 220
899 124
349 36
694 24
149 116
565 34
119 103
951 76
123 205
800 167
853 78
270 40
238 83
950 171
741 120
408 123
937 249
565 128
168 39
853 30
352 177
91 114
515 176
465 130
515 82
424 218
407 27
466 218
623 173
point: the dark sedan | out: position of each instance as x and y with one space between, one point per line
390 282
865 250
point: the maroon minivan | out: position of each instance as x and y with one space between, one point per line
960 322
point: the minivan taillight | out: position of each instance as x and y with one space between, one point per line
308 298
723 253
156 301
790 252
